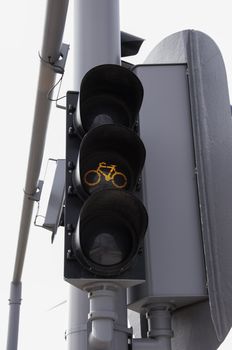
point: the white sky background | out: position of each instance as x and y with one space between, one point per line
21 28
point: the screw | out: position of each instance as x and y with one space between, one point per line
140 251
136 126
69 228
71 131
69 254
71 109
70 190
70 165
138 185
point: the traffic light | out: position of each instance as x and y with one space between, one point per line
105 220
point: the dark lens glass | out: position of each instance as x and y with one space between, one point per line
104 109
107 243
101 119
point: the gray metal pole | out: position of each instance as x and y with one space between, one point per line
97 41
53 33
96 35
14 302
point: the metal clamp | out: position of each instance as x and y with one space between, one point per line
123 329
59 65
81 328
36 196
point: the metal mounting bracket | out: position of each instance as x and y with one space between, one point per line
51 217
59 65
36 196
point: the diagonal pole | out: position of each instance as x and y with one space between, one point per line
51 48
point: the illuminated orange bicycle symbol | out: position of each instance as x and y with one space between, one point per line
93 177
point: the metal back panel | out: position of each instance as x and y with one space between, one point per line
212 129
56 200
174 252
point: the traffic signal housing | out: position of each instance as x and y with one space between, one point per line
105 220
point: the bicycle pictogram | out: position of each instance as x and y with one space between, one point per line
108 172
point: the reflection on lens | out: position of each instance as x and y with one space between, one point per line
106 242
105 250
102 119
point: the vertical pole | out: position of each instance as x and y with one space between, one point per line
97 41
96 35
14 303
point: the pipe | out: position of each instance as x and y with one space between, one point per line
102 315
159 329
77 333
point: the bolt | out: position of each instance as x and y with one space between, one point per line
69 254
71 131
136 126
140 251
69 228
70 190
71 109
138 185
70 165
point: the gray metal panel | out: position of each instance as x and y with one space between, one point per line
56 199
175 263
213 144
172 49
193 328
